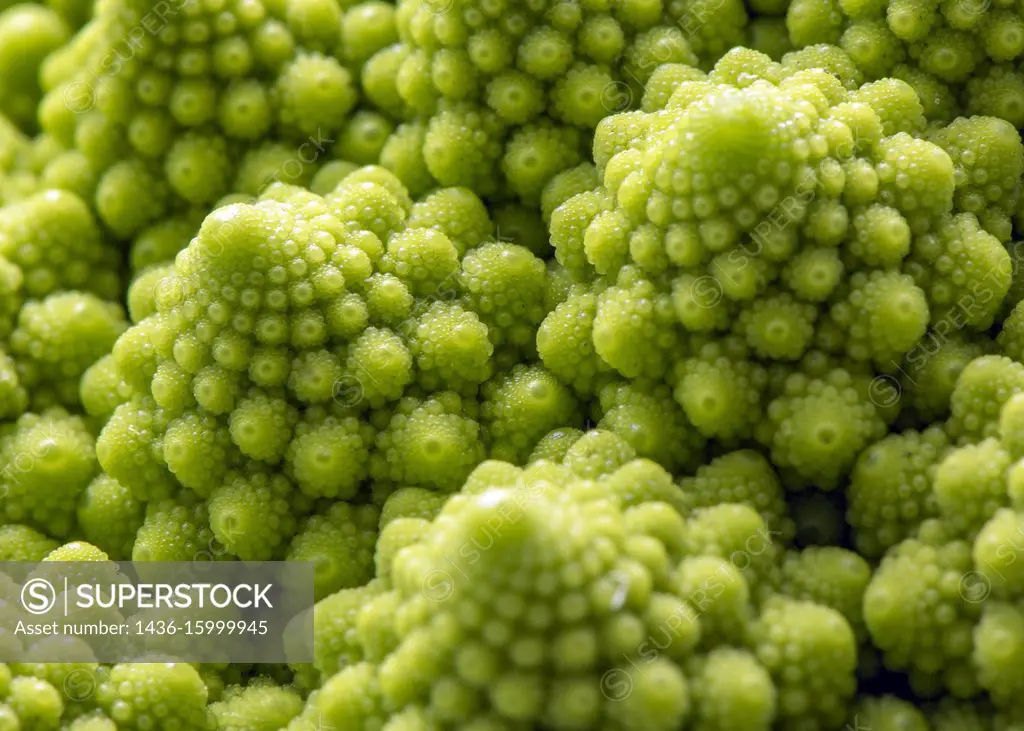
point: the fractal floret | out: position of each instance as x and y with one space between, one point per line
771 244
539 598
648 365
292 350
534 77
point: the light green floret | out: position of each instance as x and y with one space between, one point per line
21 543
777 327
811 654
883 316
998 646
891 488
479 642
1011 427
55 241
257 707
70 171
93 721
873 47
984 386
813 21
997 92
197 168
738 534
927 196
315 93
328 456
881 236
664 80
720 390
769 36
516 97
244 110
462 146
395 536
361 140
141 696
430 443
745 477
411 502
457 213
933 367
367 27
831 576
568 183
635 328
13 396
598 453
76 551
731 690
161 242
339 542
521 406
921 610
521 224
335 642
951 55
28 33
535 153
76 680
565 340
896 104
817 426
267 163
554 445
970 485
262 426
131 195
367 204
813 274
989 160
198 451
250 515
35 702
385 301
11 297
451 348
58 338
640 482
424 259
293 302
48 459
177 529
889 713
504 284
720 596
741 67
651 422
126 451
110 516
827 57
379 365
568 222
142 291
403 155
